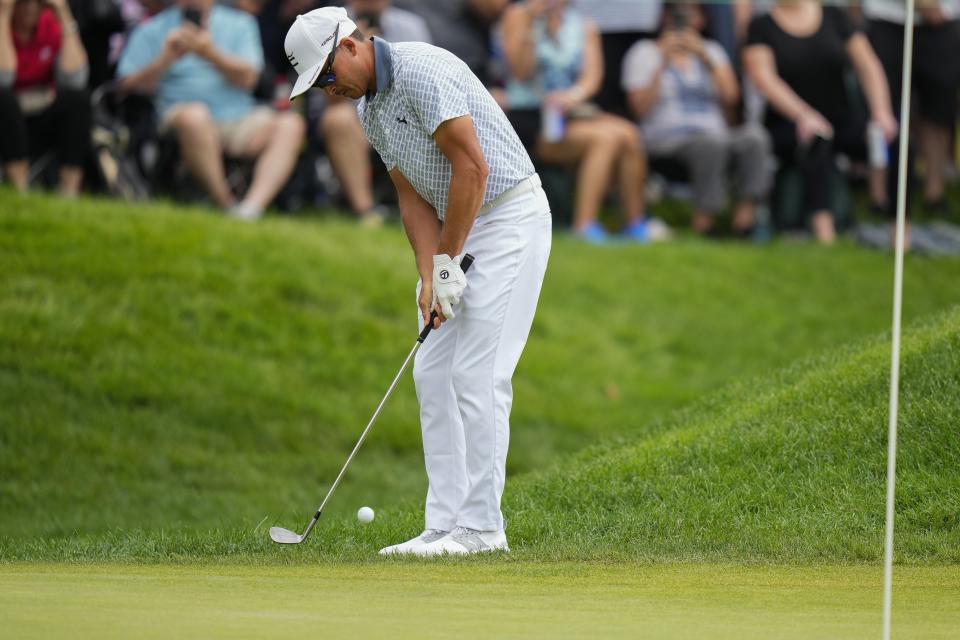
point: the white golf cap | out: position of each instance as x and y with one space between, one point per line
310 41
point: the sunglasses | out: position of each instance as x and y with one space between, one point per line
327 77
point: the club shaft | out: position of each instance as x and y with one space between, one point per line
363 436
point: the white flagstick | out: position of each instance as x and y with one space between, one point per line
897 306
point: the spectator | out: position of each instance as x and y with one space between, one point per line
275 18
99 20
621 23
43 103
936 76
201 61
350 155
797 56
679 87
554 59
461 27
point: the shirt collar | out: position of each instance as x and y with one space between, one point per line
383 64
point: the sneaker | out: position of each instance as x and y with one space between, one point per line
373 218
637 231
410 546
245 211
593 233
463 541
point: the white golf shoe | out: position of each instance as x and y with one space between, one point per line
463 541
413 544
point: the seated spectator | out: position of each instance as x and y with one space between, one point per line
797 56
201 62
43 103
680 87
554 66
339 125
461 27
936 79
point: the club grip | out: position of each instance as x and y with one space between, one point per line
465 263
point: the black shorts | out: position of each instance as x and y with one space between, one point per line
936 66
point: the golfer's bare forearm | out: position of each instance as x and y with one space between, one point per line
464 200
423 232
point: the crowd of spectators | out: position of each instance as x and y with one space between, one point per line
733 101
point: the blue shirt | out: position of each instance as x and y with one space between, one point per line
193 79
419 87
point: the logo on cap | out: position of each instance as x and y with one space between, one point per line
293 60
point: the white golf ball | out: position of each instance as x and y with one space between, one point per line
365 515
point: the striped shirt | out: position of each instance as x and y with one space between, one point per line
419 87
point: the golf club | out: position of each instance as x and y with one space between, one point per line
285 536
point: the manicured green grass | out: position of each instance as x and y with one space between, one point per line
175 383
507 600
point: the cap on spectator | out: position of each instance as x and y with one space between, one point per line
310 41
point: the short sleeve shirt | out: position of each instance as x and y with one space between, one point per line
37 57
813 66
687 100
193 79
427 87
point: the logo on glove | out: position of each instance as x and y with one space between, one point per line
444 274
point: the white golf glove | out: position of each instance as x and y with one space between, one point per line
448 283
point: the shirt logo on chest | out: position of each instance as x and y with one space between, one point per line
402 120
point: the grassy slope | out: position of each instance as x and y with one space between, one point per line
514 600
140 346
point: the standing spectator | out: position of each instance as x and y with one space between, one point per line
350 153
621 23
554 59
201 62
936 77
99 20
797 56
461 27
43 102
679 87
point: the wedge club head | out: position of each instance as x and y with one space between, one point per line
284 536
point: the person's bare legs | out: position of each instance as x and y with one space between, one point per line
631 169
823 227
743 216
71 179
202 150
18 172
349 153
278 145
593 146
701 223
935 148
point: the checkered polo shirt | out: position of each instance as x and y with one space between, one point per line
419 87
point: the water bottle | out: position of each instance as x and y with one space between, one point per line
553 123
877 151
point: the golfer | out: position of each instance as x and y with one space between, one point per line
465 185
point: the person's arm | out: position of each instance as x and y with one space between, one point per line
874 82
235 69
642 91
591 73
487 10
146 78
8 53
761 68
73 57
423 231
519 46
721 73
458 142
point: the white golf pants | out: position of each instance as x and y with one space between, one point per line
463 371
